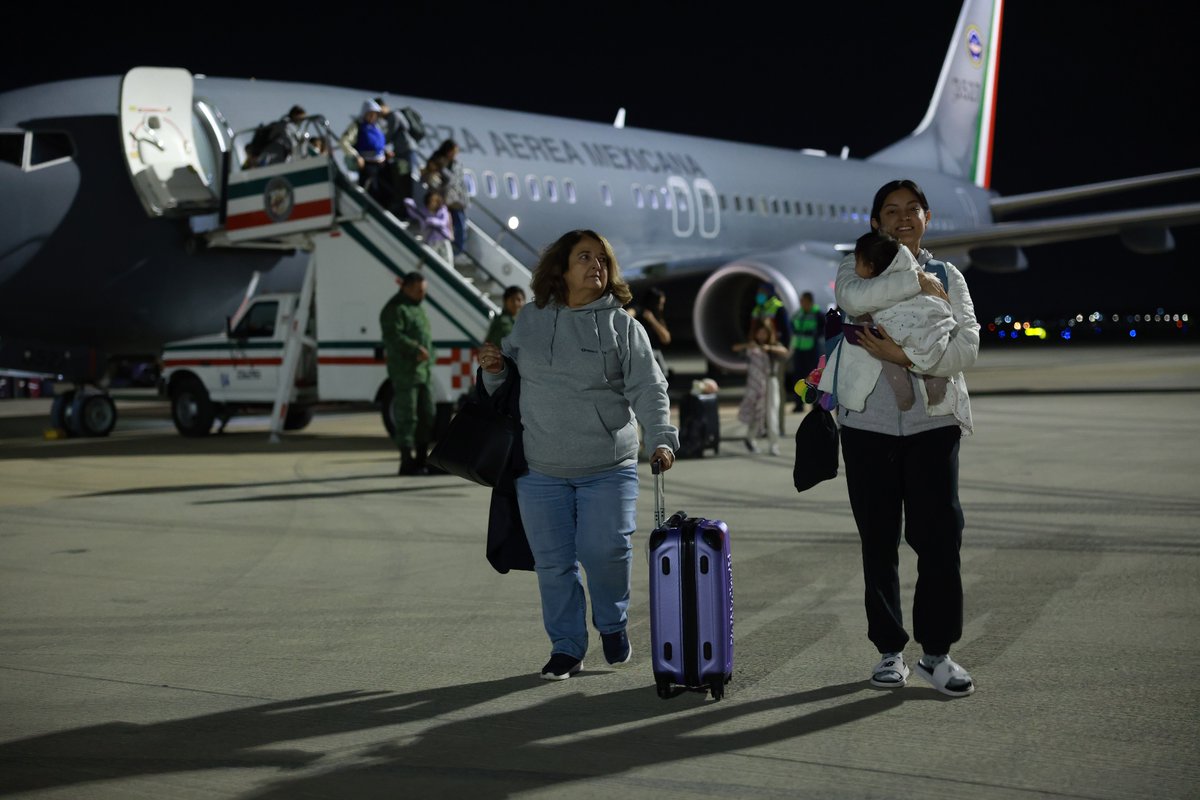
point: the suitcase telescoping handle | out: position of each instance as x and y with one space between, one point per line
660 500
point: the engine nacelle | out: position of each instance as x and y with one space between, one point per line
721 314
1150 241
996 259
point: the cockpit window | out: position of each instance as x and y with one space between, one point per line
49 147
12 147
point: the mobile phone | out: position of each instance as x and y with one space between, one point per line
853 330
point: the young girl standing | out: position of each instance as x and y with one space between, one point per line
759 410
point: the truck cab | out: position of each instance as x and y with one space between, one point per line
217 376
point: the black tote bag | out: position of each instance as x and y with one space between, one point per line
479 441
816 449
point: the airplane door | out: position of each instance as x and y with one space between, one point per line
158 138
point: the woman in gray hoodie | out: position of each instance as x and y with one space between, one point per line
588 377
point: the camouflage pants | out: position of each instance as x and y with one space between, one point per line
413 410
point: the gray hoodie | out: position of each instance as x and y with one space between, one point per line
585 373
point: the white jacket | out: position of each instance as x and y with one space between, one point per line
922 324
859 371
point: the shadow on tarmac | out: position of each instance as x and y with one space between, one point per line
488 756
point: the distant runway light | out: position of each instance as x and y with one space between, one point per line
1133 333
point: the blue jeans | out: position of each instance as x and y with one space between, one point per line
584 521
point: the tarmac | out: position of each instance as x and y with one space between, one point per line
232 618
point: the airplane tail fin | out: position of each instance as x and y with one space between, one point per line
955 137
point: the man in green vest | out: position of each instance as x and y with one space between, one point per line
408 344
807 344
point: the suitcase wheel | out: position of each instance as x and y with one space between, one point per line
717 688
664 689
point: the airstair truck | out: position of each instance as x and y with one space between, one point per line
324 342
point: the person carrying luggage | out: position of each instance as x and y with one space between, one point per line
588 378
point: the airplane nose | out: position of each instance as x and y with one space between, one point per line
39 201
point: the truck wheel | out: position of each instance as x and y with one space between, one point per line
191 408
297 418
60 411
97 415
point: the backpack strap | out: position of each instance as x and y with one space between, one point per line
938 268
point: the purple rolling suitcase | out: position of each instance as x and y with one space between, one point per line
691 602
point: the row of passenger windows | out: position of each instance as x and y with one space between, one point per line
535 188
661 197
47 147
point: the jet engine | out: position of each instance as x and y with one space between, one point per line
721 313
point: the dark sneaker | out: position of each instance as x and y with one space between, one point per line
560 667
617 649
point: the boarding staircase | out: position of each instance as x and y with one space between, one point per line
312 201
480 274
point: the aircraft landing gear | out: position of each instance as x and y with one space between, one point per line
84 412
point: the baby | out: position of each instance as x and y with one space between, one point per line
921 325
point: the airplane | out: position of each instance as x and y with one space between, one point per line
100 263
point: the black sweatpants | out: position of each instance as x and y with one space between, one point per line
911 480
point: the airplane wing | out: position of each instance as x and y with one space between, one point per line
1061 229
1011 204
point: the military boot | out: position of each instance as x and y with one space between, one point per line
409 464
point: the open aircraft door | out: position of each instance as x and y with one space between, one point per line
159 139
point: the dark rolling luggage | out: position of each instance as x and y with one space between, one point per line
691 603
699 425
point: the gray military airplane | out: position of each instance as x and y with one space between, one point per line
97 259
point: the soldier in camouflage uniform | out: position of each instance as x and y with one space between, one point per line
408 343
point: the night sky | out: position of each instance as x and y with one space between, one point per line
1085 94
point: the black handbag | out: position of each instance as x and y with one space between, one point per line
816 449
479 441
817 436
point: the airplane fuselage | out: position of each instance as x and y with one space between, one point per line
85 250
